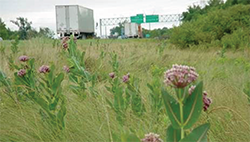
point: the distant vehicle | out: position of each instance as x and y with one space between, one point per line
74 20
131 30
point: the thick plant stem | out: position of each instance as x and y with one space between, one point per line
182 133
181 114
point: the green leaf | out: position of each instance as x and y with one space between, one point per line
173 135
193 106
31 63
199 134
172 108
50 74
57 83
73 78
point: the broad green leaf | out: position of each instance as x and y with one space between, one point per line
173 135
31 63
57 83
53 105
172 108
193 107
199 134
50 75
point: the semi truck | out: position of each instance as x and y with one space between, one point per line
74 20
131 30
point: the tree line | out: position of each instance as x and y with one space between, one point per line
25 30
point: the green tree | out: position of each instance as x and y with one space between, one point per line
117 29
46 32
3 30
192 13
23 25
32 33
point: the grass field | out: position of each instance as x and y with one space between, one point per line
92 120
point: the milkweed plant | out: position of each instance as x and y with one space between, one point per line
185 105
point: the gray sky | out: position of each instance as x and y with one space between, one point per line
42 12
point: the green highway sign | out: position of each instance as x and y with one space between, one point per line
140 15
137 19
152 18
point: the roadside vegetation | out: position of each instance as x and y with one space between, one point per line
86 94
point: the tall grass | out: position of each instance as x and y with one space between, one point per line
91 119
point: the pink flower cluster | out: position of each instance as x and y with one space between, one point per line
180 76
21 72
206 101
66 69
151 137
23 58
125 78
44 69
112 75
65 42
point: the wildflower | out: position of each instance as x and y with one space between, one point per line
64 42
44 69
206 101
66 69
180 76
65 45
125 78
112 75
23 58
21 72
151 137
191 89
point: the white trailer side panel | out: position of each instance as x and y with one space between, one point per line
134 29
73 18
86 20
127 29
131 29
60 18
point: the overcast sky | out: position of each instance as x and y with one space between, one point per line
42 12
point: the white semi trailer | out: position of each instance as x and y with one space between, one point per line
74 20
131 30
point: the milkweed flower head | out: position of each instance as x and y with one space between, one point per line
65 42
66 69
23 58
125 78
44 69
21 72
180 76
206 101
151 137
112 75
